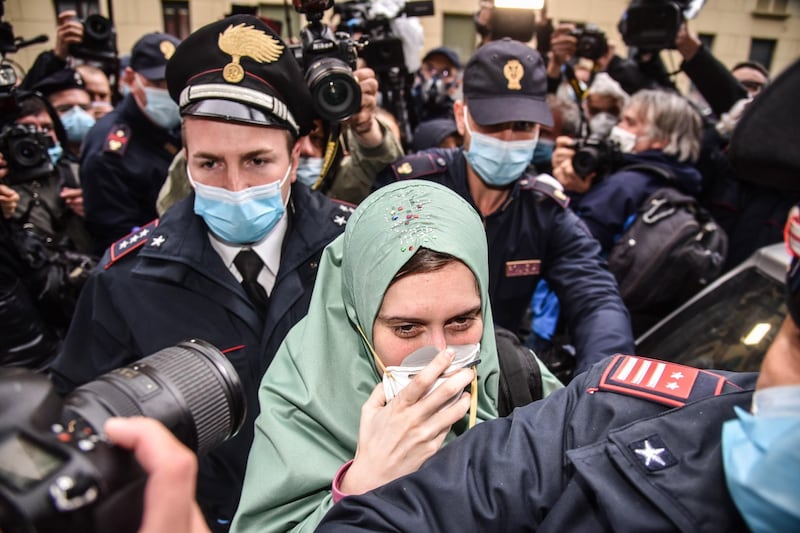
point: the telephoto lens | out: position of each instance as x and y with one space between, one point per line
334 89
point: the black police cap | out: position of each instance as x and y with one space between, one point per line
60 80
238 69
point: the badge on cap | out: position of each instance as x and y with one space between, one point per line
513 71
167 48
246 41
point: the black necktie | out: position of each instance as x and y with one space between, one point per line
249 265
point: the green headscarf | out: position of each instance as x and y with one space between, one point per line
312 394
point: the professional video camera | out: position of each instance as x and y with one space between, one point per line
328 60
596 153
653 25
58 472
592 43
99 39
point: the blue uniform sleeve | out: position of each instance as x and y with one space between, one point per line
502 475
596 315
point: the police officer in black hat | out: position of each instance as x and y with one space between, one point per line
126 156
235 262
532 234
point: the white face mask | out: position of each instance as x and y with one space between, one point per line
625 139
396 378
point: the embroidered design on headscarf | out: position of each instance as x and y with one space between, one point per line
409 219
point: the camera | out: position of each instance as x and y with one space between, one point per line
596 154
653 25
58 472
328 60
99 39
26 153
591 43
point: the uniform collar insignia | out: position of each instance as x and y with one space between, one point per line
513 71
652 453
246 41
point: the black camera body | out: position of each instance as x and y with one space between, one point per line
99 39
592 43
652 25
26 153
595 156
58 472
328 59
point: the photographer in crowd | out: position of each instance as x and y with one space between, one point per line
234 263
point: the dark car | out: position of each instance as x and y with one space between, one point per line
730 324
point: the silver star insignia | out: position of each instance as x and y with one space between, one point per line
339 219
124 244
648 453
158 241
672 385
676 375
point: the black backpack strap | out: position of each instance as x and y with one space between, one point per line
520 376
662 172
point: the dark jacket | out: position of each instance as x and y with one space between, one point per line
714 81
602 454
535 236
124 163
607 205
174 287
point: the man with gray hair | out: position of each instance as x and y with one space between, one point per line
659 137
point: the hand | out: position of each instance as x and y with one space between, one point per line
169 503
74 200
366 128
9 198
68 31
562 47
686 42
562 167
394 439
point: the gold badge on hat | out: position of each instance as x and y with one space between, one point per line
167 48
240 41
513 71
405 168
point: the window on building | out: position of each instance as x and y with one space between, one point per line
762 51
176 18
707 39
776 7
459 34
83 8
277 17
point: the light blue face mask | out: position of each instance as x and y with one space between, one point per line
55 152
77 124
497 162
761 458
160 108
308 170
543 154
240 217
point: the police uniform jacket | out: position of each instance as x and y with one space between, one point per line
174 286
619 449
534 235
123 165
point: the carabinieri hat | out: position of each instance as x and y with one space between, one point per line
238 69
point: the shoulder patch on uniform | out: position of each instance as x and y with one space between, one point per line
547 185
342 215
130 242
117 139
418 166
659 381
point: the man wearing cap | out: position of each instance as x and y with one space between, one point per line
531 232
234 263
126 156
437 83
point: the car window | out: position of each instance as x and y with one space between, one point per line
730 328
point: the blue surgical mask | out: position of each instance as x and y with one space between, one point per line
543 154
160 107
308 170
497 162
240 217
77 123
761 458
55 152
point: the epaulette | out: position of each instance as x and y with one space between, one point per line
547 185
418 166
660 381
133 241
342 215
117 139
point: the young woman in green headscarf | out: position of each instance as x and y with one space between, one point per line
322 401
